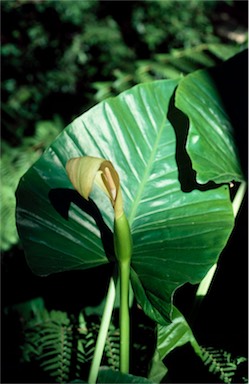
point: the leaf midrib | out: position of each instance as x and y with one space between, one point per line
146 174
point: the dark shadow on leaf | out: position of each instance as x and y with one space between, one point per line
61 199
186 173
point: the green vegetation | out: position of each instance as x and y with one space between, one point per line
59 59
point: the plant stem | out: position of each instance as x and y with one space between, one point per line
103 331
123 251
124 317
237 201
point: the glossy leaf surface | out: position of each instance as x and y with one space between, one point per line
210 143
177 236
175 335
170 337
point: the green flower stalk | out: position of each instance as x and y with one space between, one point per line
83 172
123 251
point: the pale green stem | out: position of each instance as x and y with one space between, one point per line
237 201
123 251
124 317
103 331
205 284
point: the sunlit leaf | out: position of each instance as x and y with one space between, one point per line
210 143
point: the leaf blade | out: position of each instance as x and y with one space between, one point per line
169 226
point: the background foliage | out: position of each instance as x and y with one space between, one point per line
61 57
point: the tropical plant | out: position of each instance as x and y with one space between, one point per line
60 56
175 195
179 217
16 160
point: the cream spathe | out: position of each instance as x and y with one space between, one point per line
84 171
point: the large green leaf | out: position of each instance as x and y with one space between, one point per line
177 236
210 143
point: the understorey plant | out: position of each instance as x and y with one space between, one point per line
142 180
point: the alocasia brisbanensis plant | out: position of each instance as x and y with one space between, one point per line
83 173
177 236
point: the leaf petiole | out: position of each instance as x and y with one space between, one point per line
206 282
103 331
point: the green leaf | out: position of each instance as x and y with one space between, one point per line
210 143
170 337
158 370
175 335
177 236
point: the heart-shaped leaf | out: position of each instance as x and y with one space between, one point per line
177 236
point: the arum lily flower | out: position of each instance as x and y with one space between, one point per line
86 171
83 173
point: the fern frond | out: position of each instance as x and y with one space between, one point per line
111 351
49 341
64 346
220 362
85 346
